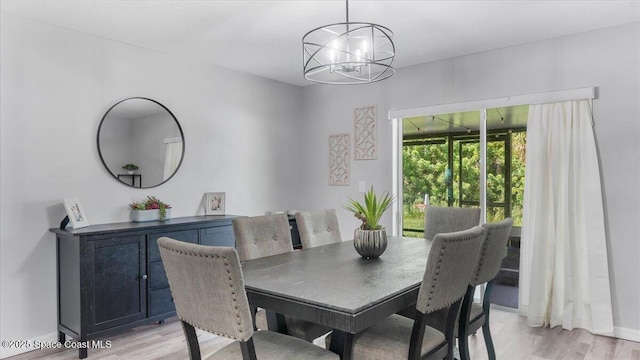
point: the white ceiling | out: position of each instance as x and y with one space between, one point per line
264 37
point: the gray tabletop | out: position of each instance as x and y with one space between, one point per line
334 286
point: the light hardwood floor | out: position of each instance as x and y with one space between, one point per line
513 338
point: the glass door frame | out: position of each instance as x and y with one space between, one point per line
397 116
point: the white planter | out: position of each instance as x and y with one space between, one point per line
148 215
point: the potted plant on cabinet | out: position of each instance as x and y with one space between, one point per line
370 239
130 168
150 210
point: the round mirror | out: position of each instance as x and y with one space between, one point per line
140 142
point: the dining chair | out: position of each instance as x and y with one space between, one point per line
474 315
208 291
261 236
452 259
449 219
268 235
318 228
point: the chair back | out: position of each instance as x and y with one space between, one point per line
261 236
449 219
492 251
318 228
452 259
207 287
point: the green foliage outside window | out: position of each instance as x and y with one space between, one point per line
426 171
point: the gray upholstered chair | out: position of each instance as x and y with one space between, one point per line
318 228
269 235
449 219
452 259
473 315
208 290
261 236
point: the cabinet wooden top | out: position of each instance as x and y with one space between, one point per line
128 226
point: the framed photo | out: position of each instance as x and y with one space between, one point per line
77 216
214 203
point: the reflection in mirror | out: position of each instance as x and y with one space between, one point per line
144 133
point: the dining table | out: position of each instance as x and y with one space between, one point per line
332 285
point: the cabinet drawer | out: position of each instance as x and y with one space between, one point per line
157 276
218 236
190 236
160 302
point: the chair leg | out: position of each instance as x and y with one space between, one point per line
463 348
192 341
463 324
488 340
486 332
449 335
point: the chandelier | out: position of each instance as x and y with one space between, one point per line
348 53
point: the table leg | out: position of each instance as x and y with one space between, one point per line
276 322
341 344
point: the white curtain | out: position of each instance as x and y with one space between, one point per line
172 157
564 268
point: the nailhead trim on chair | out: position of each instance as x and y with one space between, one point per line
437 271
483 251
233 292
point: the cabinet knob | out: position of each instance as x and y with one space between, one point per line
144 277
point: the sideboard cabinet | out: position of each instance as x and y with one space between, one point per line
111 277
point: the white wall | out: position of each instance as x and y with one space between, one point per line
608 59
259 140
240 132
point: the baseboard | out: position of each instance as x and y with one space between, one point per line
26 345
618 332
627 334
505 308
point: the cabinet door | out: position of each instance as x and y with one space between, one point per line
119 273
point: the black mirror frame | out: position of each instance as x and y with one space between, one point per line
100 151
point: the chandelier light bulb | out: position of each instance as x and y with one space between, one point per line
348 53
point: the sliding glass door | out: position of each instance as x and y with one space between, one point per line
442 157
441 164
435 155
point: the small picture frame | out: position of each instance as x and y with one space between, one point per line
214 203
75 212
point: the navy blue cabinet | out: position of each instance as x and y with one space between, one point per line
110 276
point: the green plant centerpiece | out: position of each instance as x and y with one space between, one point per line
370 239
154 205
130 167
